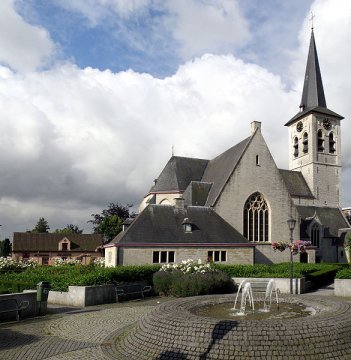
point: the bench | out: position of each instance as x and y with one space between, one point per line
132 289
12 305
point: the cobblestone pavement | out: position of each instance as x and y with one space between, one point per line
81 334
71 333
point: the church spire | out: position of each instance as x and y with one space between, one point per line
313 92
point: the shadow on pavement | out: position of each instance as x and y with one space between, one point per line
11 339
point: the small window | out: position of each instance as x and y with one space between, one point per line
320 141
305 143
64 246
257 160
332 148
296 147
162 257
217 256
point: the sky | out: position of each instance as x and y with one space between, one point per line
95 94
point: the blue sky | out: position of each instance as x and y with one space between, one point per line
94 94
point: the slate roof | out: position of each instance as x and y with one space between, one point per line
178 173
296 184
197 193
313 98
24 241
331 218
220 168
162 224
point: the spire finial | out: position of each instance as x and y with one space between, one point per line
311 19
172 150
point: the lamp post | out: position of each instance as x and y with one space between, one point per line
291 224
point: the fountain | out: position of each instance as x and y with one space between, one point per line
246 295
317 327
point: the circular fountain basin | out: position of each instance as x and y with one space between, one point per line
178 330
283 310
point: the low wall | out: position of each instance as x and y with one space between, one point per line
342 287
283 284
84 296
33 308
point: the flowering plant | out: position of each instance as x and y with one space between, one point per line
281 246
99 261
188 267
297 247
63 262
9 264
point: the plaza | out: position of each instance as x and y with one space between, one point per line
101 332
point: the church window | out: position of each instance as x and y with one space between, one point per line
296 147
315 235
305 143
331 143
256 218
320 141
257 160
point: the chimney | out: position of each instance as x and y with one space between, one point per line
254 126
179 203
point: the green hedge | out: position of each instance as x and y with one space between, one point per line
344 274
60 277
276 270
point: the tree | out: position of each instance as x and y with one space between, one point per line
110 221
5 248
69 229
42 226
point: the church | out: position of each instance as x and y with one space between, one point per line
231 209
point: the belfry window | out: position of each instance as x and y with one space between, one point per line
320 141
332 148
256 218
296 147
315 235
305 143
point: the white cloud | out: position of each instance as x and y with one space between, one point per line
206 26
24 47
72 140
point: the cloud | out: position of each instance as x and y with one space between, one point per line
217 27
24 47
72 140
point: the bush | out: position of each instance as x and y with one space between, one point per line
191 278
343 274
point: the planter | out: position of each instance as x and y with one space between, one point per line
342 287
84 296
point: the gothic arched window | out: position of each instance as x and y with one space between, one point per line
331 143
296 147
305 142
320 141
256 218
315 235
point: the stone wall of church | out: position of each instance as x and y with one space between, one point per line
144 255
264 177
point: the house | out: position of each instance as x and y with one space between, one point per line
45 247
238 203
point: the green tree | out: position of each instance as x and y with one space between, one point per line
5 248
42 226
110 221
69 229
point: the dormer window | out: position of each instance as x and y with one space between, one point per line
187 226
64 245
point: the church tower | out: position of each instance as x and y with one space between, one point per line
314 137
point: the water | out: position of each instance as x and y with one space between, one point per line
225 311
